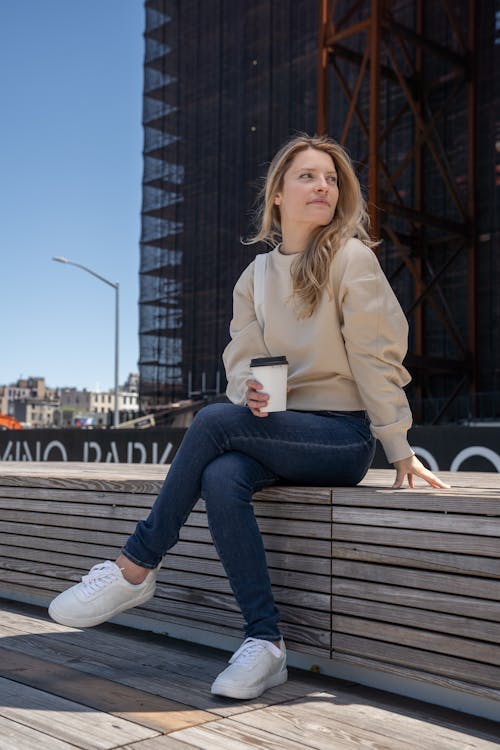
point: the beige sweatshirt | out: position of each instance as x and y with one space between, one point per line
347 356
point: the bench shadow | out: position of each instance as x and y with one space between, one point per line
119 670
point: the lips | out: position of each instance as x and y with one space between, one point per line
321 202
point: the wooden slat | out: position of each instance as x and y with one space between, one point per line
413 539
430 600
166 742
67 533
421 558
49 520
39 508
143 478
415 637
280 543
422 660
338 718
308 627
186 554
135 499
105 484
421 579
100 694
66 720
405 672
172 584
451 524
306 598
299 637
229 734
282 569
176 569
25 545
293 494
109 522
456 500
476 481
84 508
18 736
19 473
128 478
467 627
90 649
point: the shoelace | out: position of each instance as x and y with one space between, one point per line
248 651
99 576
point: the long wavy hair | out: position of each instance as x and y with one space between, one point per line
310 269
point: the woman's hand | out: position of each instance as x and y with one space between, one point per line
411 467
255 399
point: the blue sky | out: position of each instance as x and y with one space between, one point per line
70 185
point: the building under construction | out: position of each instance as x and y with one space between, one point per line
410 88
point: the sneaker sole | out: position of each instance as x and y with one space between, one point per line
246 694
93 621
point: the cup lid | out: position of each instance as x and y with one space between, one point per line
263 361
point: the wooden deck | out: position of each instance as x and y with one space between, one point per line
112 687
394 589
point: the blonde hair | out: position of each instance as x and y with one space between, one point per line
310 270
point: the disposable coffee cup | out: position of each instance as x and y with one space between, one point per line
272 372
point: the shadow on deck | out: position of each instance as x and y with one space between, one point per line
113 687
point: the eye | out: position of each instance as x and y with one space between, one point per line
306 174
332 179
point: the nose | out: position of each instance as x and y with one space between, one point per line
322 184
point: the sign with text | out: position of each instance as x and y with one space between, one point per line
441 448
155 446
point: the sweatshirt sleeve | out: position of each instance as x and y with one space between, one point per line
375 332
247 340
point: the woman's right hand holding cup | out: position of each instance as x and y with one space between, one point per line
255 399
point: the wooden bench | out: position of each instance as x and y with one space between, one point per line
397 589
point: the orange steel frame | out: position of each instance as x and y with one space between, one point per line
381 34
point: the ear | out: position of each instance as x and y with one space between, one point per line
277 199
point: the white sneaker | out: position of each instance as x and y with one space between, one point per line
102 594
256 666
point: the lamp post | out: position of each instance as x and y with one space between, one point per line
116 287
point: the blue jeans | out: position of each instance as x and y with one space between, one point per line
226 455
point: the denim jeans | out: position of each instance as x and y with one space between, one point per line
226 455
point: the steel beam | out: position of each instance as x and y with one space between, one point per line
366 53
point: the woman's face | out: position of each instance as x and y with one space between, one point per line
310 191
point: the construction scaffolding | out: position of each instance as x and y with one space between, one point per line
409 89
224 83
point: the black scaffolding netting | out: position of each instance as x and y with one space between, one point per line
225 84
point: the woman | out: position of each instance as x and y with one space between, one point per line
330 310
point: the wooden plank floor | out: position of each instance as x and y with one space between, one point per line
112 687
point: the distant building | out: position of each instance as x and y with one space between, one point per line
131 384
34 405
96 408
35 412
19 400
3 399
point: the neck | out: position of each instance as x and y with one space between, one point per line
294 241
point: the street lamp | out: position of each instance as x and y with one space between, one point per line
116 287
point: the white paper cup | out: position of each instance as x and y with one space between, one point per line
272 372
